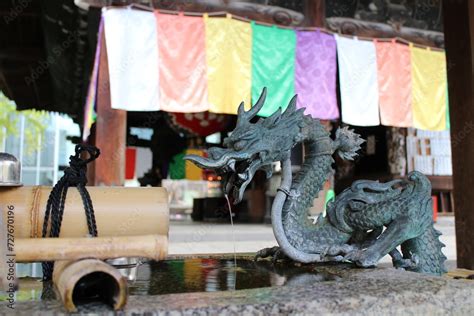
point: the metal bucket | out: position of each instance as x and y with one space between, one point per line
10 170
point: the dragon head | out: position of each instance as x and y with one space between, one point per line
253 146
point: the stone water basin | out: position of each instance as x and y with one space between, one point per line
211 285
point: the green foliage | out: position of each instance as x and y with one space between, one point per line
8 121
36 122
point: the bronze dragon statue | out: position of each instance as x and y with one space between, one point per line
362 224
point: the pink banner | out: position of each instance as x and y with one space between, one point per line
394 80
182 55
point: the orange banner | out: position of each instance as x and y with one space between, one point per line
182 51
395 86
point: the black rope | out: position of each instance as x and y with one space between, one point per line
74 176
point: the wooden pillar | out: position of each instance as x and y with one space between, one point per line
110 132
315 12
459 41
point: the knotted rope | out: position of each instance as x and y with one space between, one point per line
74 176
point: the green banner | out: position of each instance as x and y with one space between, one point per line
273 60
177 170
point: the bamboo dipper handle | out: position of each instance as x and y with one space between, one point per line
52 249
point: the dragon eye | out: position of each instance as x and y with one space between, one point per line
240 145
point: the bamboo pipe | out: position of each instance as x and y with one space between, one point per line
52 249
89 280
119 211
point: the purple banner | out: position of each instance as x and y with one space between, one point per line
315 74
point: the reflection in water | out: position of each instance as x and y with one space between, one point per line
209 275
199 275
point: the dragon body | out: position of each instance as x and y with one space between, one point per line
364 223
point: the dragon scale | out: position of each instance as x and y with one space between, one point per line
301 232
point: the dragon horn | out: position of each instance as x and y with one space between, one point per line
291 105
241 117
241 109
257 106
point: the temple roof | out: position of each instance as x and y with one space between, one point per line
46 54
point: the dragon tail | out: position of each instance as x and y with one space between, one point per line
347 143
427 249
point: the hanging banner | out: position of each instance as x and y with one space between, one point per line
315 74
273 66
229 55
90 113
177 167
394 83
448 120
192 171
182 54
132 49
358 81
429 83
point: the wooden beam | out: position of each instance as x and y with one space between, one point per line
253 11
110 132
459 34
351 26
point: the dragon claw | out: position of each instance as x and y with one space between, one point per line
278 255
337 251
406 264
265 253
274 252
361 258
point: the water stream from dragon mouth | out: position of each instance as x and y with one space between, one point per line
233 237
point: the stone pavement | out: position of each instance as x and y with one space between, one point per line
187 237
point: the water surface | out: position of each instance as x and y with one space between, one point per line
197 275
209 275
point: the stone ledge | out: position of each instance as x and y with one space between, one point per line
359 292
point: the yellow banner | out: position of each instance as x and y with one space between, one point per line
193 172
229 63
429 84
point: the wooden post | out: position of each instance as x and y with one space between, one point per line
459 40
315 12
110 132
